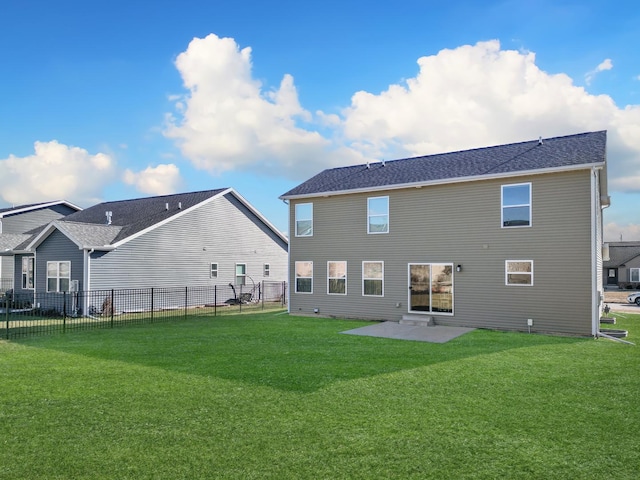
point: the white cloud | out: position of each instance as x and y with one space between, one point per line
614 232
606 64
227 121
465 97
55 172
158 180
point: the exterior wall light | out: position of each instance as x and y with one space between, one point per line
459 268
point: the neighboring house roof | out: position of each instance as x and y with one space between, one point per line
537 156
4 212
126 219
9 241
621 252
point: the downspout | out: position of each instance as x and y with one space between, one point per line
87 281
286 202
598 224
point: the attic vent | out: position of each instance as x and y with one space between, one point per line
108 214
166 206
180 205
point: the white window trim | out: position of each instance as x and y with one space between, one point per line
213 272
506 274
244 275
57 277
502 205
369 216
631 270
266 270
329 278
366 278
430 311
295 277
296 219
25 273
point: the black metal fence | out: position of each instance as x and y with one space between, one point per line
41 313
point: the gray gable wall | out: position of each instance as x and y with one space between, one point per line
180 252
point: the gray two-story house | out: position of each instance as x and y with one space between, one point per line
504 237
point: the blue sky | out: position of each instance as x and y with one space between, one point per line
123 99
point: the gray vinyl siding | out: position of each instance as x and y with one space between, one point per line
57 247
180 252
6 272
459 224
25 221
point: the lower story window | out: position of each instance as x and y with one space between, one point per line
634 274
241 273
304 277
214 270
519 272
337 278
373 279
266 269
27 272
58 276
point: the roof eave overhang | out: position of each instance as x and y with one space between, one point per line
446 181
40 206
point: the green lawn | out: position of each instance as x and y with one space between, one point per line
277 396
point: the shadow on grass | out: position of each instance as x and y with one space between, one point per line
289 353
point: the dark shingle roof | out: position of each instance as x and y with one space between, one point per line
622 252
33 206
553 153
129 217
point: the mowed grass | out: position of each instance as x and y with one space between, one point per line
279 396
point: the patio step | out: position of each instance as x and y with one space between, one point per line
417 320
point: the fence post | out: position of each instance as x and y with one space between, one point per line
186 301
151 304
64 311
6 308
261 290
215 300
112 308
284 293
240 299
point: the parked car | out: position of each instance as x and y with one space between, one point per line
634 298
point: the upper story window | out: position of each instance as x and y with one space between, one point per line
337 278
378 215
516 205
27 272
58 276
304 219
519 272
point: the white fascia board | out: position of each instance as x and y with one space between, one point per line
262 218
445 181
167 220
